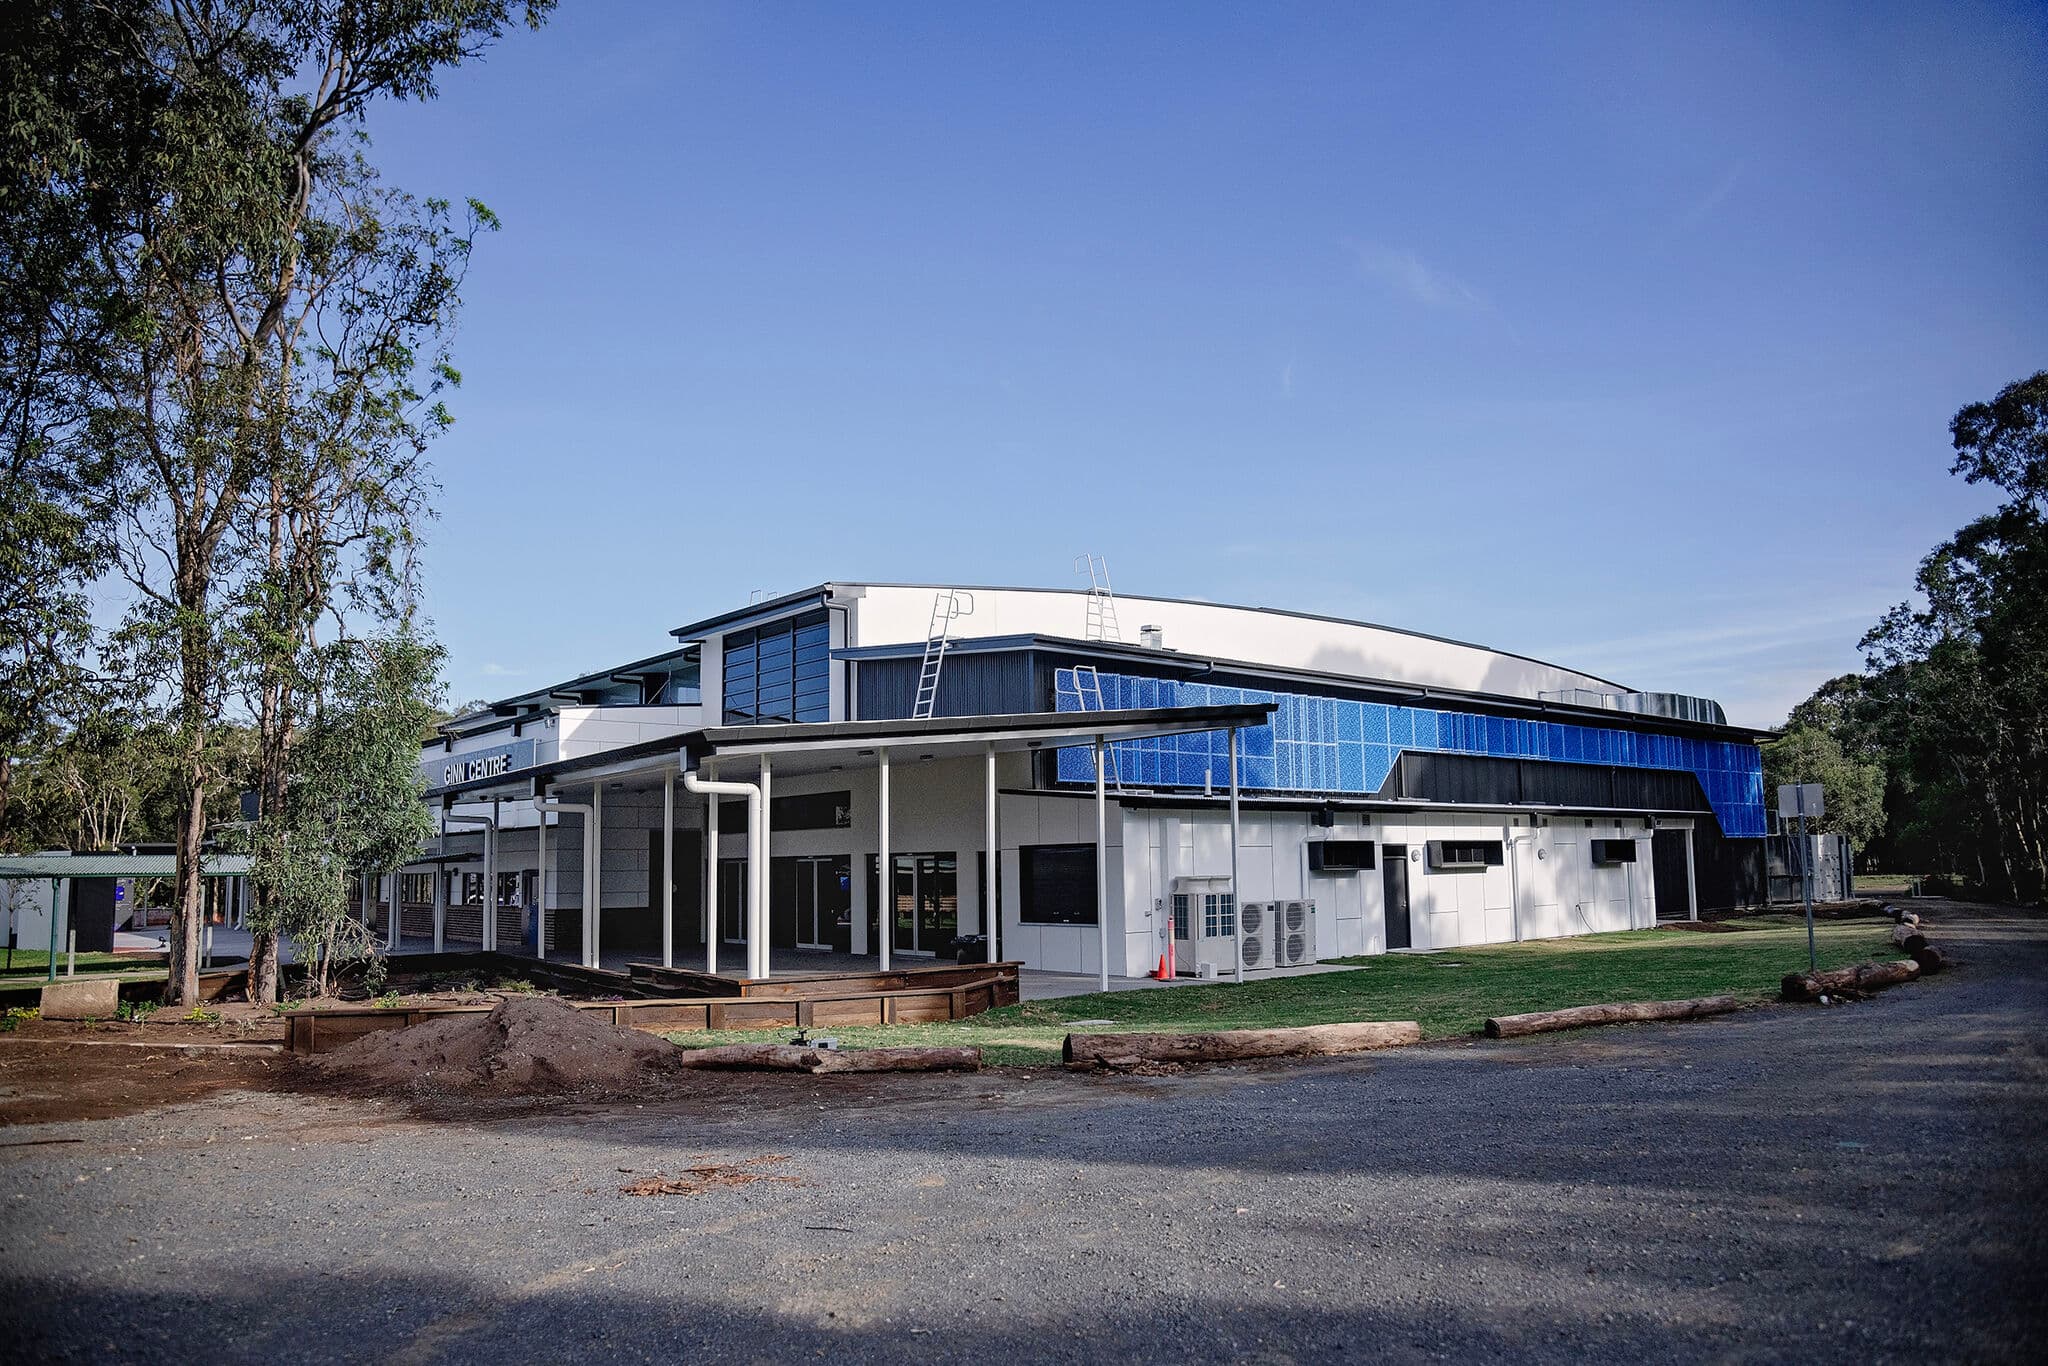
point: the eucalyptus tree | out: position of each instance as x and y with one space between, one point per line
351 802
225 255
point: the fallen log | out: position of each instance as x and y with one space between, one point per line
1231 1045
757 1057
1930 960
1856 981
1908 938
899 1060
1575 1017
778 1057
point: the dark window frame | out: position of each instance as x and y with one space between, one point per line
1029 892
778 671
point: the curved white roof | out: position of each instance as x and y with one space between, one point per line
888 614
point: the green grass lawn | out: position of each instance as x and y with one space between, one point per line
36 963
1886 884
1449 993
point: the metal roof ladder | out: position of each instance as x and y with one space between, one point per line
1100 623
1088 687
948 604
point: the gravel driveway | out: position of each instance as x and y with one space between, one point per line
1861 1183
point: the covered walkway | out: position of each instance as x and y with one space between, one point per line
900 761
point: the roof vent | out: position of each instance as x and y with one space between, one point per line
1151 637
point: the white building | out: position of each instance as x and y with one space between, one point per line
1395 790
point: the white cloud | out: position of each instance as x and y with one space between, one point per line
1400 270
496 670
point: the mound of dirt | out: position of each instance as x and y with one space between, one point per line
526 1045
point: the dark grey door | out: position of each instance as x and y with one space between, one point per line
1394 877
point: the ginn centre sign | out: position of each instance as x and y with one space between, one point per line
450 770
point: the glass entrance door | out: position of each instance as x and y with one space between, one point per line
819 889
923 902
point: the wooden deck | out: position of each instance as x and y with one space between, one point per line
908 996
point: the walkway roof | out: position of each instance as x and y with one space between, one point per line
809 746
116 865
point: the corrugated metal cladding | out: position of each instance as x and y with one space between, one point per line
1004 683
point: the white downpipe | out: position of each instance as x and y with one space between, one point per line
757 877
714 912
490 825
668 870
542 806
1515 879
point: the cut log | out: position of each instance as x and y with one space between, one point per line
1230 1045
1908 938
777 1057
899 1060
1864 977
1930 960
1543 1021
770 1057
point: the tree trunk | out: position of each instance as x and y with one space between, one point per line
182 986
1229 1045
1930 960
1908 939
899 1060
1811 986
775 1057
1543 1021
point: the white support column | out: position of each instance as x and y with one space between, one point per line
885 867
714 919
497 824
540 884
491 881
991 913
668 870
593 900
440 907
1101 869
369 891
1236 832
757 867
1692 888
391 916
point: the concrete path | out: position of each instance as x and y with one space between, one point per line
1863 1183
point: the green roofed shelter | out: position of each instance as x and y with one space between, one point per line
116 865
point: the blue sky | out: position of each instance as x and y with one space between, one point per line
1623 336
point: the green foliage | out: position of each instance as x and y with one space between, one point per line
222 353
1854 788
135 1012
352 803
14 1017
1953 704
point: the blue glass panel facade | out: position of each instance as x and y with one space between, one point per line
1337 745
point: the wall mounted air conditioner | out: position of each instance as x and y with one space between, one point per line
1295 932
1258 935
